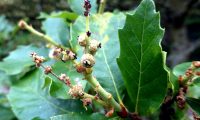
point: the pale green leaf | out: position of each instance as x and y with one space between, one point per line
57 29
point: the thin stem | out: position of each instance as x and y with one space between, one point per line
102 6
102 92
46 38
87 23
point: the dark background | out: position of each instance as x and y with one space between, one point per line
180 18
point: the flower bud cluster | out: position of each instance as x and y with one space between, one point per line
64 55
94 46
76 91
87 7
65 79
37 59
190 74
180 99
47 70
88 60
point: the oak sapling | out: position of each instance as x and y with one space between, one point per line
140 60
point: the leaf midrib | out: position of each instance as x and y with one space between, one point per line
141 56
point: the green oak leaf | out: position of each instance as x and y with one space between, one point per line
57 29
194 104
104 29
19 60
30 99
141 60
77 6
75 116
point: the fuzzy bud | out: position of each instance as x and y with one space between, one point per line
82 40
76 91
94 45
87 60
22 24
196 64
80 68
55 53
86 101
48 70
37 59
65 78
72 56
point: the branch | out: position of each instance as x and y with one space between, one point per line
102 6
22 24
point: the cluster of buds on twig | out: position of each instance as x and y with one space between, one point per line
76 91
93 44
60 54
87 7
86 102
48 69
65 79
180 98
184 80
37 59
190 74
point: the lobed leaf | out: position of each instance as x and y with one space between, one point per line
141 60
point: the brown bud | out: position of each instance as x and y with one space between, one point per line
37 59
86 101
110 112
22 24
72 56
76 91
196 64
180 99
87 60
48 70
55 53
180 79
65 78
94 45
197 73
82 40
80 68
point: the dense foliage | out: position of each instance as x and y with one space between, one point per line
129 80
